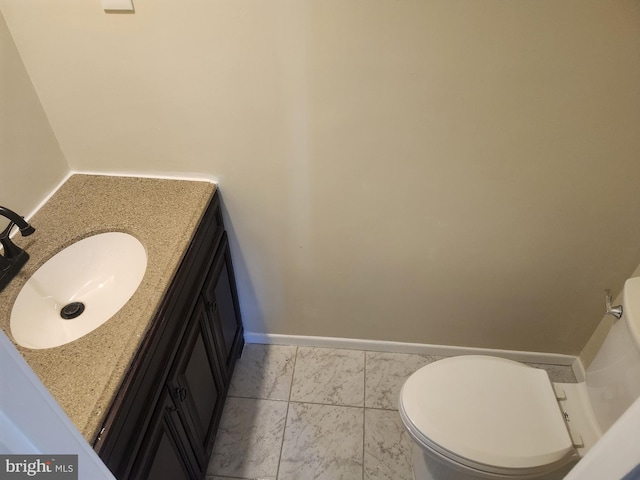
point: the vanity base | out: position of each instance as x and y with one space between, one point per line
163 422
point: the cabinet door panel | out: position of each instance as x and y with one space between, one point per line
200 382
166 462
226 309
221 299
196 385
162 455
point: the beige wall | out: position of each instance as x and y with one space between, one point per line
31 162
452 172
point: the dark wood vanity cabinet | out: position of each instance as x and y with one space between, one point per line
163 422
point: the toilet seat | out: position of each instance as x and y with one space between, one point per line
488 414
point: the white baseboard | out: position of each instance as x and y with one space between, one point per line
401 347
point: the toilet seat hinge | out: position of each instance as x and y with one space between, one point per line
576 438
559 392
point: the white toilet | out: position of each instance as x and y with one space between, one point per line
482 417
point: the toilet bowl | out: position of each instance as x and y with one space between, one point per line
482 417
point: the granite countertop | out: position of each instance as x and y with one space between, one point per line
84 375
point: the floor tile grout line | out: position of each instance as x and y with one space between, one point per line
315 403
364 409
286 416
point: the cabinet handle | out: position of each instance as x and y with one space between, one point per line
181 393
212 306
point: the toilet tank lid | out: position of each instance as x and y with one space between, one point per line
488 410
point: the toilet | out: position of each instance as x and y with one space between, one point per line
483 417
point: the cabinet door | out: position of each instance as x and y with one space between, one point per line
162 455
196 386
221 299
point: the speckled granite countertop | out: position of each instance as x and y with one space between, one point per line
84 375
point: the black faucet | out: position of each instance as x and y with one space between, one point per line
13 257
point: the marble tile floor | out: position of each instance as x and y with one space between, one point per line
298 413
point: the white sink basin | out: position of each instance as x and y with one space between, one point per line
87 283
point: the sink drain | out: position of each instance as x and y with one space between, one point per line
72 310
